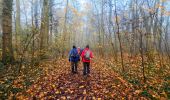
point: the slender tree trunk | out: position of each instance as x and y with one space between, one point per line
102 27
44 33
1 15
161 49
36 14
111 30
119 38
18 26
65 30
167 39
33 32
160 29
51 21
141 53
7 50
34 11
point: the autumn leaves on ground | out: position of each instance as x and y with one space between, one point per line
52 79
57 82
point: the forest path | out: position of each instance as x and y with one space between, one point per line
58 82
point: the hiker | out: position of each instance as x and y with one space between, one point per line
86 58
74 57
80 50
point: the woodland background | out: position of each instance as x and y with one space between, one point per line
129 36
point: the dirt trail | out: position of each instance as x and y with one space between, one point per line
59 83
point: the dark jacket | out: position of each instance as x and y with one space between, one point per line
76 58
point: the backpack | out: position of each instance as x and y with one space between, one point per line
74 54
81 50
87 55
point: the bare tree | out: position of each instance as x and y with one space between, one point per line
119 38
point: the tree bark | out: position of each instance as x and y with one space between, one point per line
51 20
17 26
119 38
7 50
0 15
65 30
44 32
142 55
102 27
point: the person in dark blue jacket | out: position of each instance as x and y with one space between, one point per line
74 57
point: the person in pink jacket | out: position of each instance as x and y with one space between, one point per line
86 59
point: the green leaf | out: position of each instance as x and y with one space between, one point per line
145 93
167 78
135 82
16 90
27 83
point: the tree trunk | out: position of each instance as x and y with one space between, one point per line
33 32
119 38
51 21
0 15
18 26
102 27
111 30
7 50
142 55
65 30
44 32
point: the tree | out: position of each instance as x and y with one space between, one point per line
51 3
7 50
119 37
102 26
0 15
17 23
142 55
65 29
44 32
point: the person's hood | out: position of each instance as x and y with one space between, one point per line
86 48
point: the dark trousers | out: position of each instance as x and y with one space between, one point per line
86 68
74 67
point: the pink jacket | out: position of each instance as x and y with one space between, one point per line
83 54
